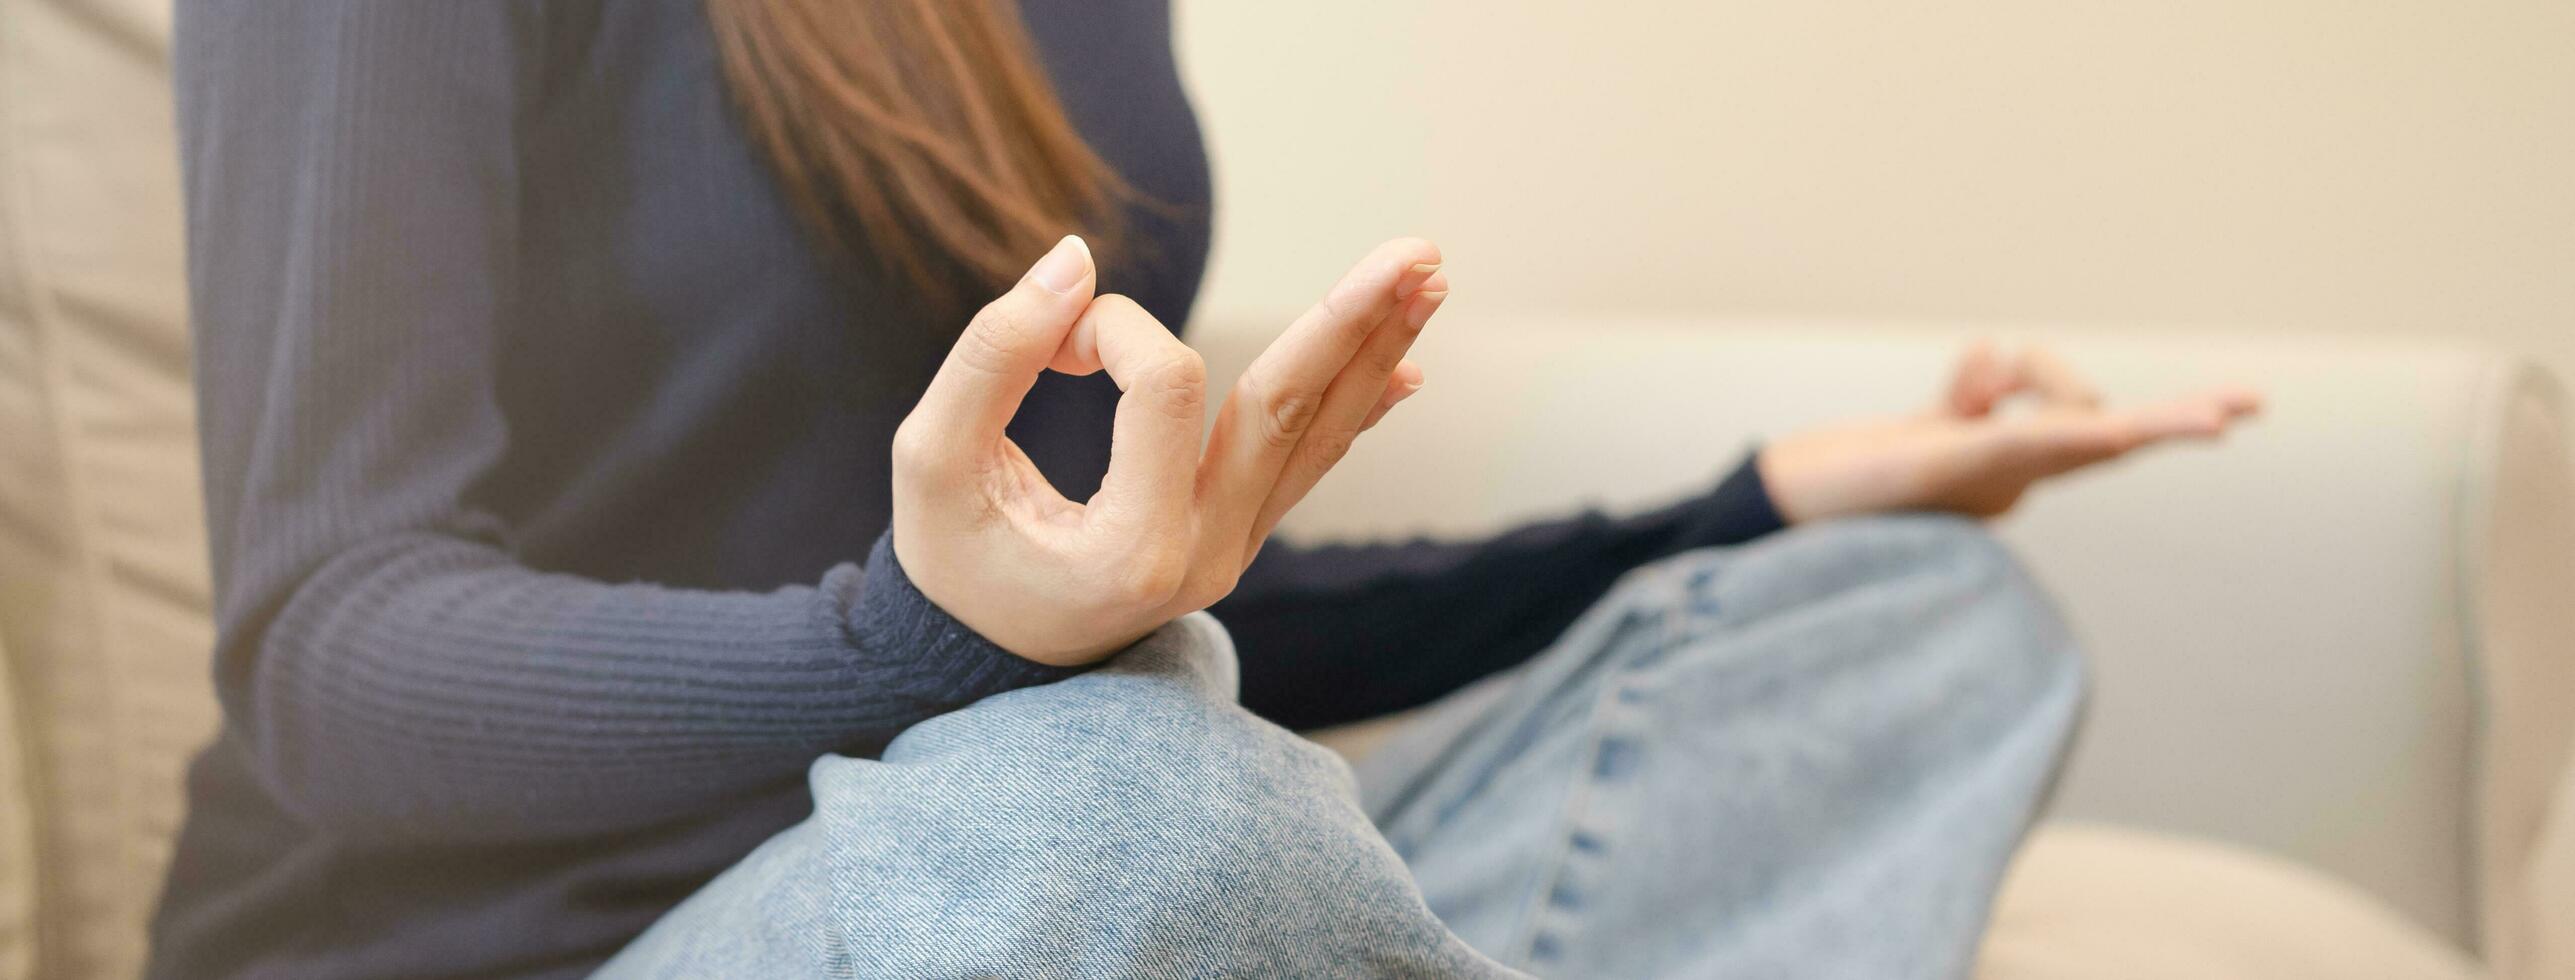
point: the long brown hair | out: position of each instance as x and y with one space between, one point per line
924 128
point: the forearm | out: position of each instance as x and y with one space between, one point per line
1336 634
419 686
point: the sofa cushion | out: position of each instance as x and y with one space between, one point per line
17 841
2103 903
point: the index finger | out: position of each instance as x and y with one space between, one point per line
1986 376
997 359
2057 381
1162 405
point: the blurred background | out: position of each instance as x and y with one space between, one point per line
2396 168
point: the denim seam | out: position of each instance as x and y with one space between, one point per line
1545 918
1611 720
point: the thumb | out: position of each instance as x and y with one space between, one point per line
997 358
1979 380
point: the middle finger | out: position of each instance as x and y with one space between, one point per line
1283 395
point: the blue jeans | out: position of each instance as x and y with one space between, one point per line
1810 756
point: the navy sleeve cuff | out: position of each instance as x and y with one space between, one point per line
928 653
1740 508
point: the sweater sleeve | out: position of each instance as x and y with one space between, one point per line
1336 634
392 669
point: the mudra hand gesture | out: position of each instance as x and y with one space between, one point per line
1178 517
1964 455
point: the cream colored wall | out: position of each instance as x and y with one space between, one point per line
2392 166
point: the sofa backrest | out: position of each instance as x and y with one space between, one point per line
104 629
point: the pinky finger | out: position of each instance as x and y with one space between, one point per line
1401 385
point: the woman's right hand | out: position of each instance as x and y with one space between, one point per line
983 535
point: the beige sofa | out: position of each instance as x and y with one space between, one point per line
2334 659
104 635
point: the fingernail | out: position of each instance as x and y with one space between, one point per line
1415 279
1064 265
1423 304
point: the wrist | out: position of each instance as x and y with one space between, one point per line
891 616
1787 474
1024 617
1819 476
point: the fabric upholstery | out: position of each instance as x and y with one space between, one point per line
103 589
2099 903
2546 947
17 838
2520 542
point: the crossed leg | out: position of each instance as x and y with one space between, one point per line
1809 757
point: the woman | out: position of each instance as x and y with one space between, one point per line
565 366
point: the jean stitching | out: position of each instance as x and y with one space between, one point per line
1611 720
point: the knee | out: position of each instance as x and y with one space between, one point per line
1836 559
1935 549
2003 634
1158 725
1930 587
1954 572
1149 754
1972 569
1129 796
1961 561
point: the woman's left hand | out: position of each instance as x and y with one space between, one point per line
1964 456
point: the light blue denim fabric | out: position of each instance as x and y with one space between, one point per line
1806 757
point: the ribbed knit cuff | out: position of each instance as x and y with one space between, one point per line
1741 503
1738 510
937 657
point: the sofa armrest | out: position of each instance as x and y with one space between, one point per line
2282 628
2518 535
